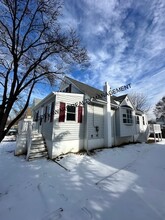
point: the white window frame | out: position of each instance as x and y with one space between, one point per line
127 117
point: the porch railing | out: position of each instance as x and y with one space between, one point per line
29 139
155 129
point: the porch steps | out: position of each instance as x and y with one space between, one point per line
38 147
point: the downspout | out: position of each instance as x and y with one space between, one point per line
86 127
115 121
107 118
114 124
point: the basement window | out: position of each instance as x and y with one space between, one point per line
71 113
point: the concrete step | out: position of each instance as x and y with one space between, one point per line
36 142
38 150
37 155
40 146
37 138
36 134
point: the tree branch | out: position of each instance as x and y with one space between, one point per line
23 110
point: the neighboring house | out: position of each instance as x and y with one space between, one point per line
161 121
80 117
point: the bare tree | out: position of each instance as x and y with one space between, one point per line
31 37
159 110
140 101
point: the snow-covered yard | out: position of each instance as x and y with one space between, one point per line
113 184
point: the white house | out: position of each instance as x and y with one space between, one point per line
80 117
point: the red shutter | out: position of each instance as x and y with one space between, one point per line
79 114
37 116
62 112
52 112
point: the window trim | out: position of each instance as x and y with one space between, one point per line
72 113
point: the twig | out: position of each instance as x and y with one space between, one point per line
106 177
61 165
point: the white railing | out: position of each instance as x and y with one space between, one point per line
155 128
21 141
29 139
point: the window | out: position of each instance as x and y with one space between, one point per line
41 115
68 89
143 121
127 118
52 112
137 120
48 112
68 113
37 116
71 113
45 116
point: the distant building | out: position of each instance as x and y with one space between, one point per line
161 121
36 101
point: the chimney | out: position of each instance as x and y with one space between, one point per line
107 118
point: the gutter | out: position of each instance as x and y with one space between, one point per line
98 101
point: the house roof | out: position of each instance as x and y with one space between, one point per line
119 98
126 106
89 90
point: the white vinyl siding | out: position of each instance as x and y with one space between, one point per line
126 129
95 122
46 128
68 130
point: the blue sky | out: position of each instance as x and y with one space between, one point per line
125 42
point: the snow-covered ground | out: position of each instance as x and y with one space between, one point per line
125 183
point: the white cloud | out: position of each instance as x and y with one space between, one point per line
125 41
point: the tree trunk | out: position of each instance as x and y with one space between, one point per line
3 120
2 135
3 132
